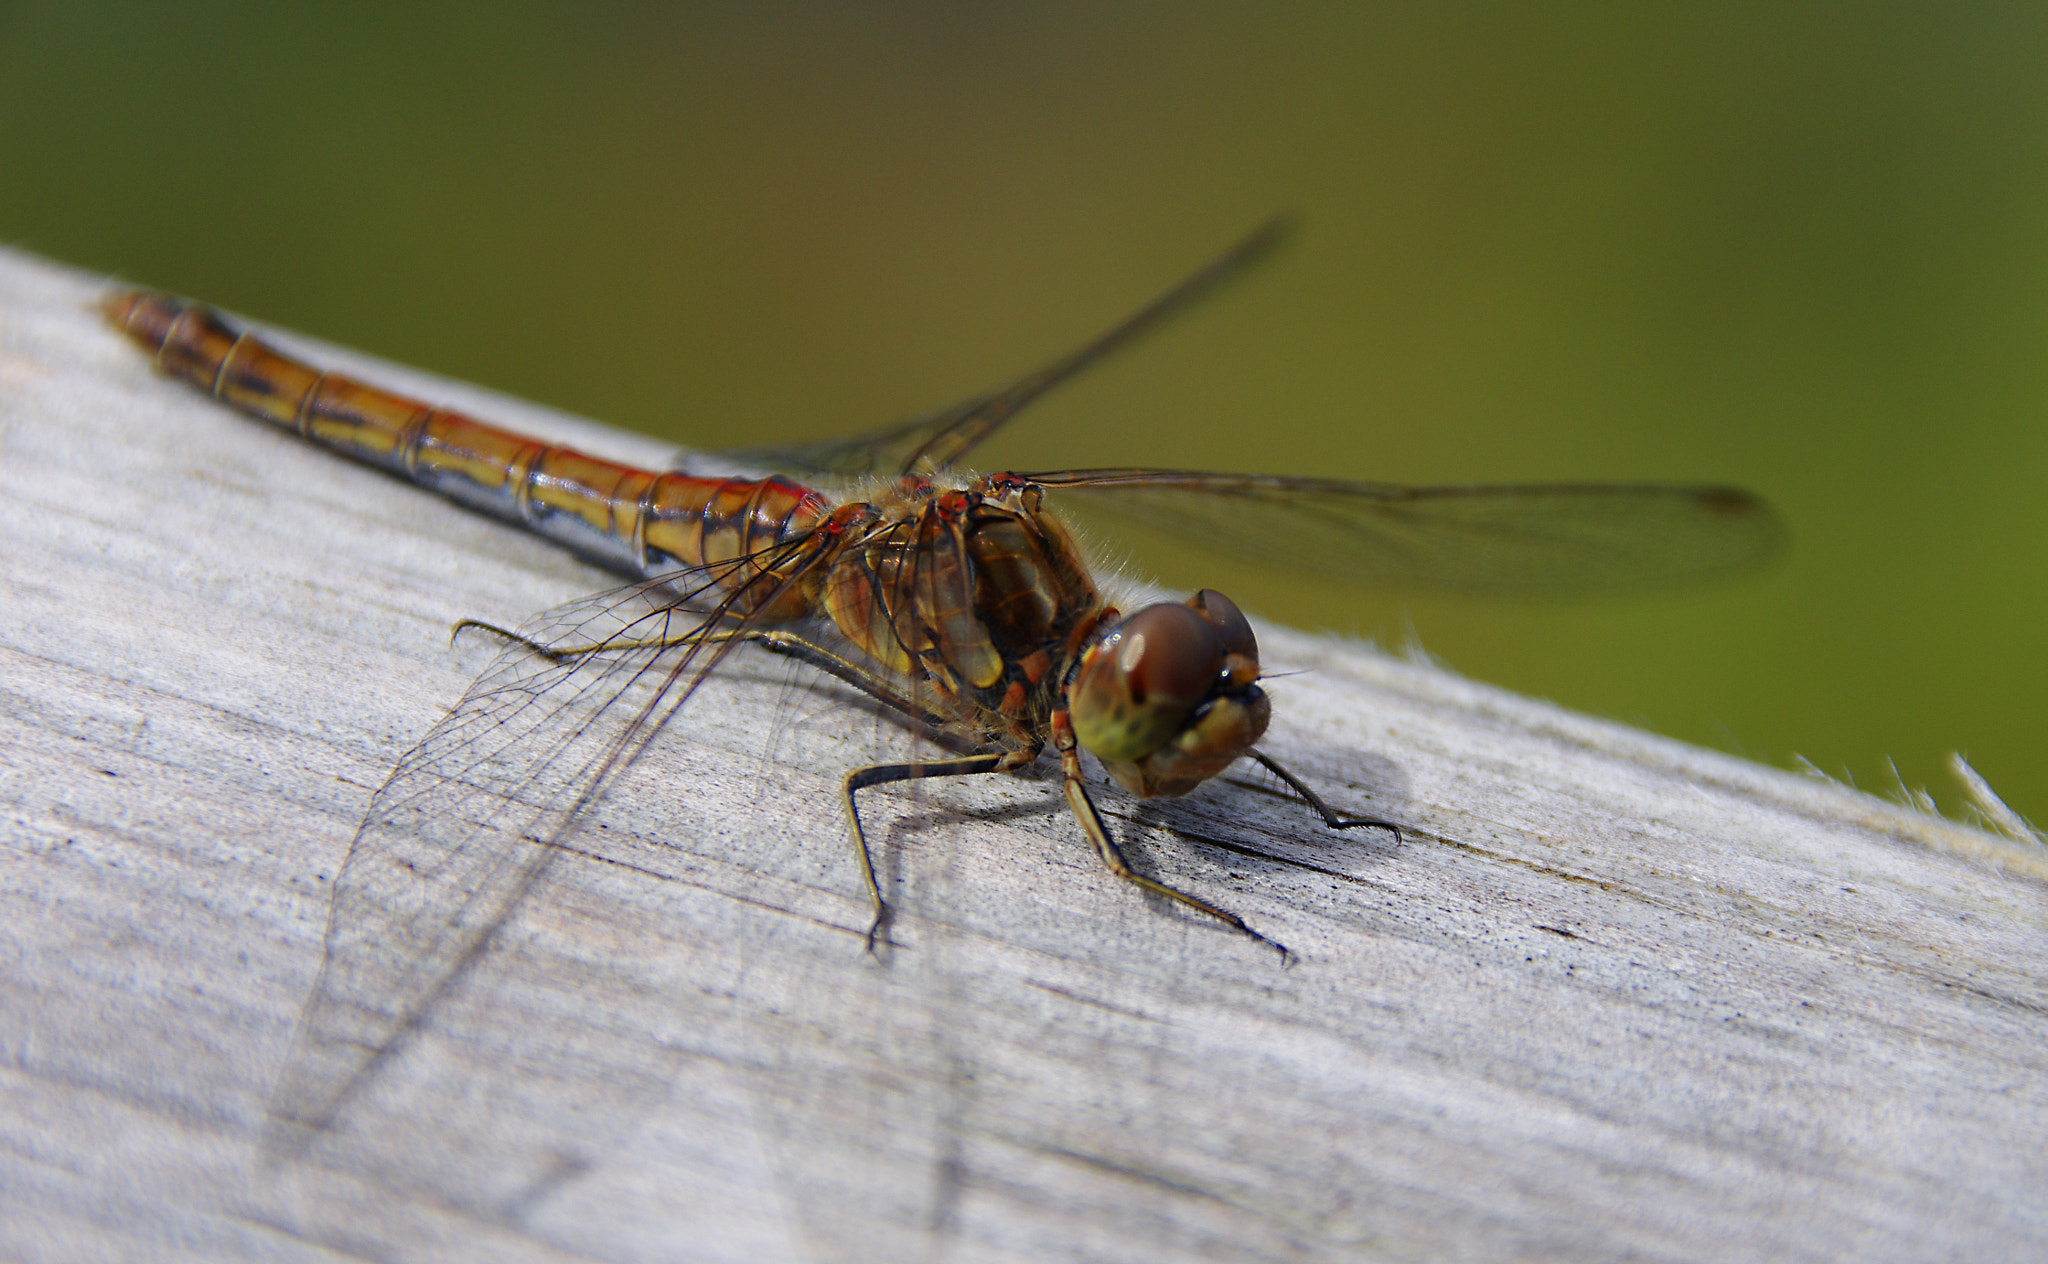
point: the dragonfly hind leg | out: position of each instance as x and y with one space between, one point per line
775 640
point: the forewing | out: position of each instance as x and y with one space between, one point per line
933 443
472 816
1527 539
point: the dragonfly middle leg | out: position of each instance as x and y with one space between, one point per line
887 774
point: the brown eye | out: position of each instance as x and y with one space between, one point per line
1231 625
1169 653
1138 687
1234 632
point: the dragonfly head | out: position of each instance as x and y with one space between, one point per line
1170 697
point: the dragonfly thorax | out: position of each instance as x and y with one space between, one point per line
974 596
1169 697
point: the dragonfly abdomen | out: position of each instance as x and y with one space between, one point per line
634 520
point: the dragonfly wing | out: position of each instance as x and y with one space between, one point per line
933 443
470 820
831 460
1511 539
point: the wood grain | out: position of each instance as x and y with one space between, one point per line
1609 997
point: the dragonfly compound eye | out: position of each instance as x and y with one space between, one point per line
1240 647
1167 699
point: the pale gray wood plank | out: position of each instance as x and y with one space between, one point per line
1610 997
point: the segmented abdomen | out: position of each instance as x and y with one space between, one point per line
633 520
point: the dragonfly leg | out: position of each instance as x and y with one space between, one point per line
871 683
1098 833
617 644
886 774
1308 796
775 640
508 636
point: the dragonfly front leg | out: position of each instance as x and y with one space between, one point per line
1308 796
1097 830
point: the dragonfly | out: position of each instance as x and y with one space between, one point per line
958 603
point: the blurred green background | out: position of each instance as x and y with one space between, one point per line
1799 247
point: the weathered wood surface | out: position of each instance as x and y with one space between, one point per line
1610 997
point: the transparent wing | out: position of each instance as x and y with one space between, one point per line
472 816
932 443
1526 539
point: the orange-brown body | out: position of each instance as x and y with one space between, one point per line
638 521
971 599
